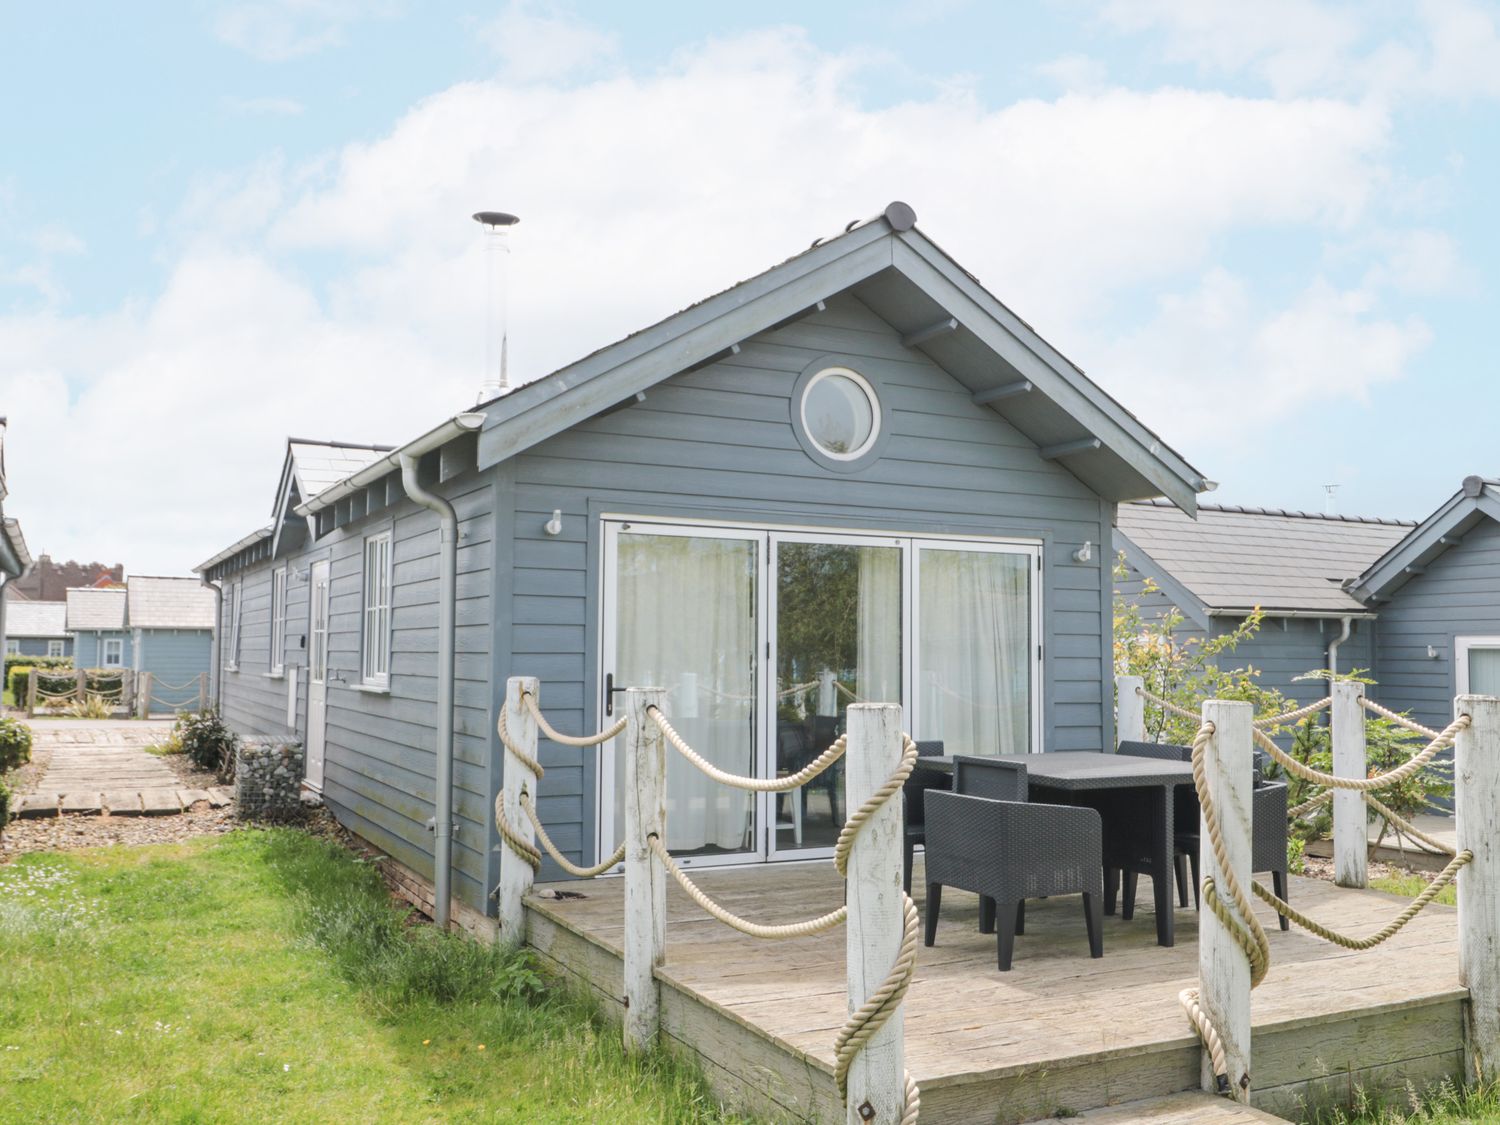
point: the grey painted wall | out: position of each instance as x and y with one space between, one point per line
1459 595
718 443
88 648
37 646
379 756
175 658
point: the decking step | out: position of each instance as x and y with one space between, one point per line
1192 1108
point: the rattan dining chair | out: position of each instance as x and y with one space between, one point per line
914 790
1007 851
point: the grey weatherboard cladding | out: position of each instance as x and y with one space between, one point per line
691 420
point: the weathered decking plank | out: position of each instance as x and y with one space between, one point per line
1060 1031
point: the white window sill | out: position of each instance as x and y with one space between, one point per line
231 667
274 675
372 689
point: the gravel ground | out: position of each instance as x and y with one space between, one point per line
68 832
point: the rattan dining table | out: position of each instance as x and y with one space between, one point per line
1067 777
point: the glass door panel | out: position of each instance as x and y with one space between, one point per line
975 650
838 640
685 619
1484 671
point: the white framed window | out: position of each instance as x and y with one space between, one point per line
1477 661
13 647
54 648
232 657
375 665
114 652
278 620
840 413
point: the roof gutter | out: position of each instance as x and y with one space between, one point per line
233 549
1315 614
456 426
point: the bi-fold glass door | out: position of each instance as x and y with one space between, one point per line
948 629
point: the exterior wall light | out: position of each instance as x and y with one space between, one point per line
554 525
1084 553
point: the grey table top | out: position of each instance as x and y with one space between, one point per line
1086 769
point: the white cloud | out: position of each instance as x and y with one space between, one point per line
277 30
1076 73
1443 48
344 298
1214 368
537 43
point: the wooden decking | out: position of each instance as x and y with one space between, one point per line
1060 1032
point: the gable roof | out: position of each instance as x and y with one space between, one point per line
169 603
36 619
90 607
939 308
1476 500
1232 559
311 467
15 559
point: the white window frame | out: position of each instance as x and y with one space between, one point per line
232 657
375 611
54 648
1461 649
115 644
278 621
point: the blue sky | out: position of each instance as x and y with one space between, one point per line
1269 230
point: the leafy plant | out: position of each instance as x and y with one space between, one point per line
1182 668
17 662
15 744
206 740
5 799
92 706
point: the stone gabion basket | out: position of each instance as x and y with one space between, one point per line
268 779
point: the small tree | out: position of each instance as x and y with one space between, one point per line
1185 670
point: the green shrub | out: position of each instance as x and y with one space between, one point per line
15 679
15 744
205 739
19 660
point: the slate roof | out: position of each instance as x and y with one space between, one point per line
36 619
1234 558
169 603
93 608
319 464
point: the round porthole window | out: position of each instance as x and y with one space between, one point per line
840 413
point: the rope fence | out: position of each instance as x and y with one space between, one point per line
883 1001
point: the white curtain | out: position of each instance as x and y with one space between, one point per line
973 654
878 675
686 622
1484 671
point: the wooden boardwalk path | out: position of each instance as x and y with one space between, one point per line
101 766
1060 1032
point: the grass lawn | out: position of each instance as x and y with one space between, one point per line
264 976
1411 885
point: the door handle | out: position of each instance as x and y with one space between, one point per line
610 691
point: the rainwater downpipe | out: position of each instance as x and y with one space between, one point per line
442 852
1333 647
218 654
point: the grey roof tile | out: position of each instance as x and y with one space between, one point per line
36 619
91 607
1238 558
169 603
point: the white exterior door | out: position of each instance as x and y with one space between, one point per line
317 674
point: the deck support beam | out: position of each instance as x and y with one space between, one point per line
515 873
645 877
877 1089
995 394
1223 969
1350 838
1476 773
1130 709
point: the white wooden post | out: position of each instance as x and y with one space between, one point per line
1130 709
876 1079
515 872
645 877
1476 775
147 686
31 688
828 694
1350 835
1223 970
82 689
202 692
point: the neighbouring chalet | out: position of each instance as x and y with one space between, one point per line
1217 569
163 626
15 559
37 629
857 475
